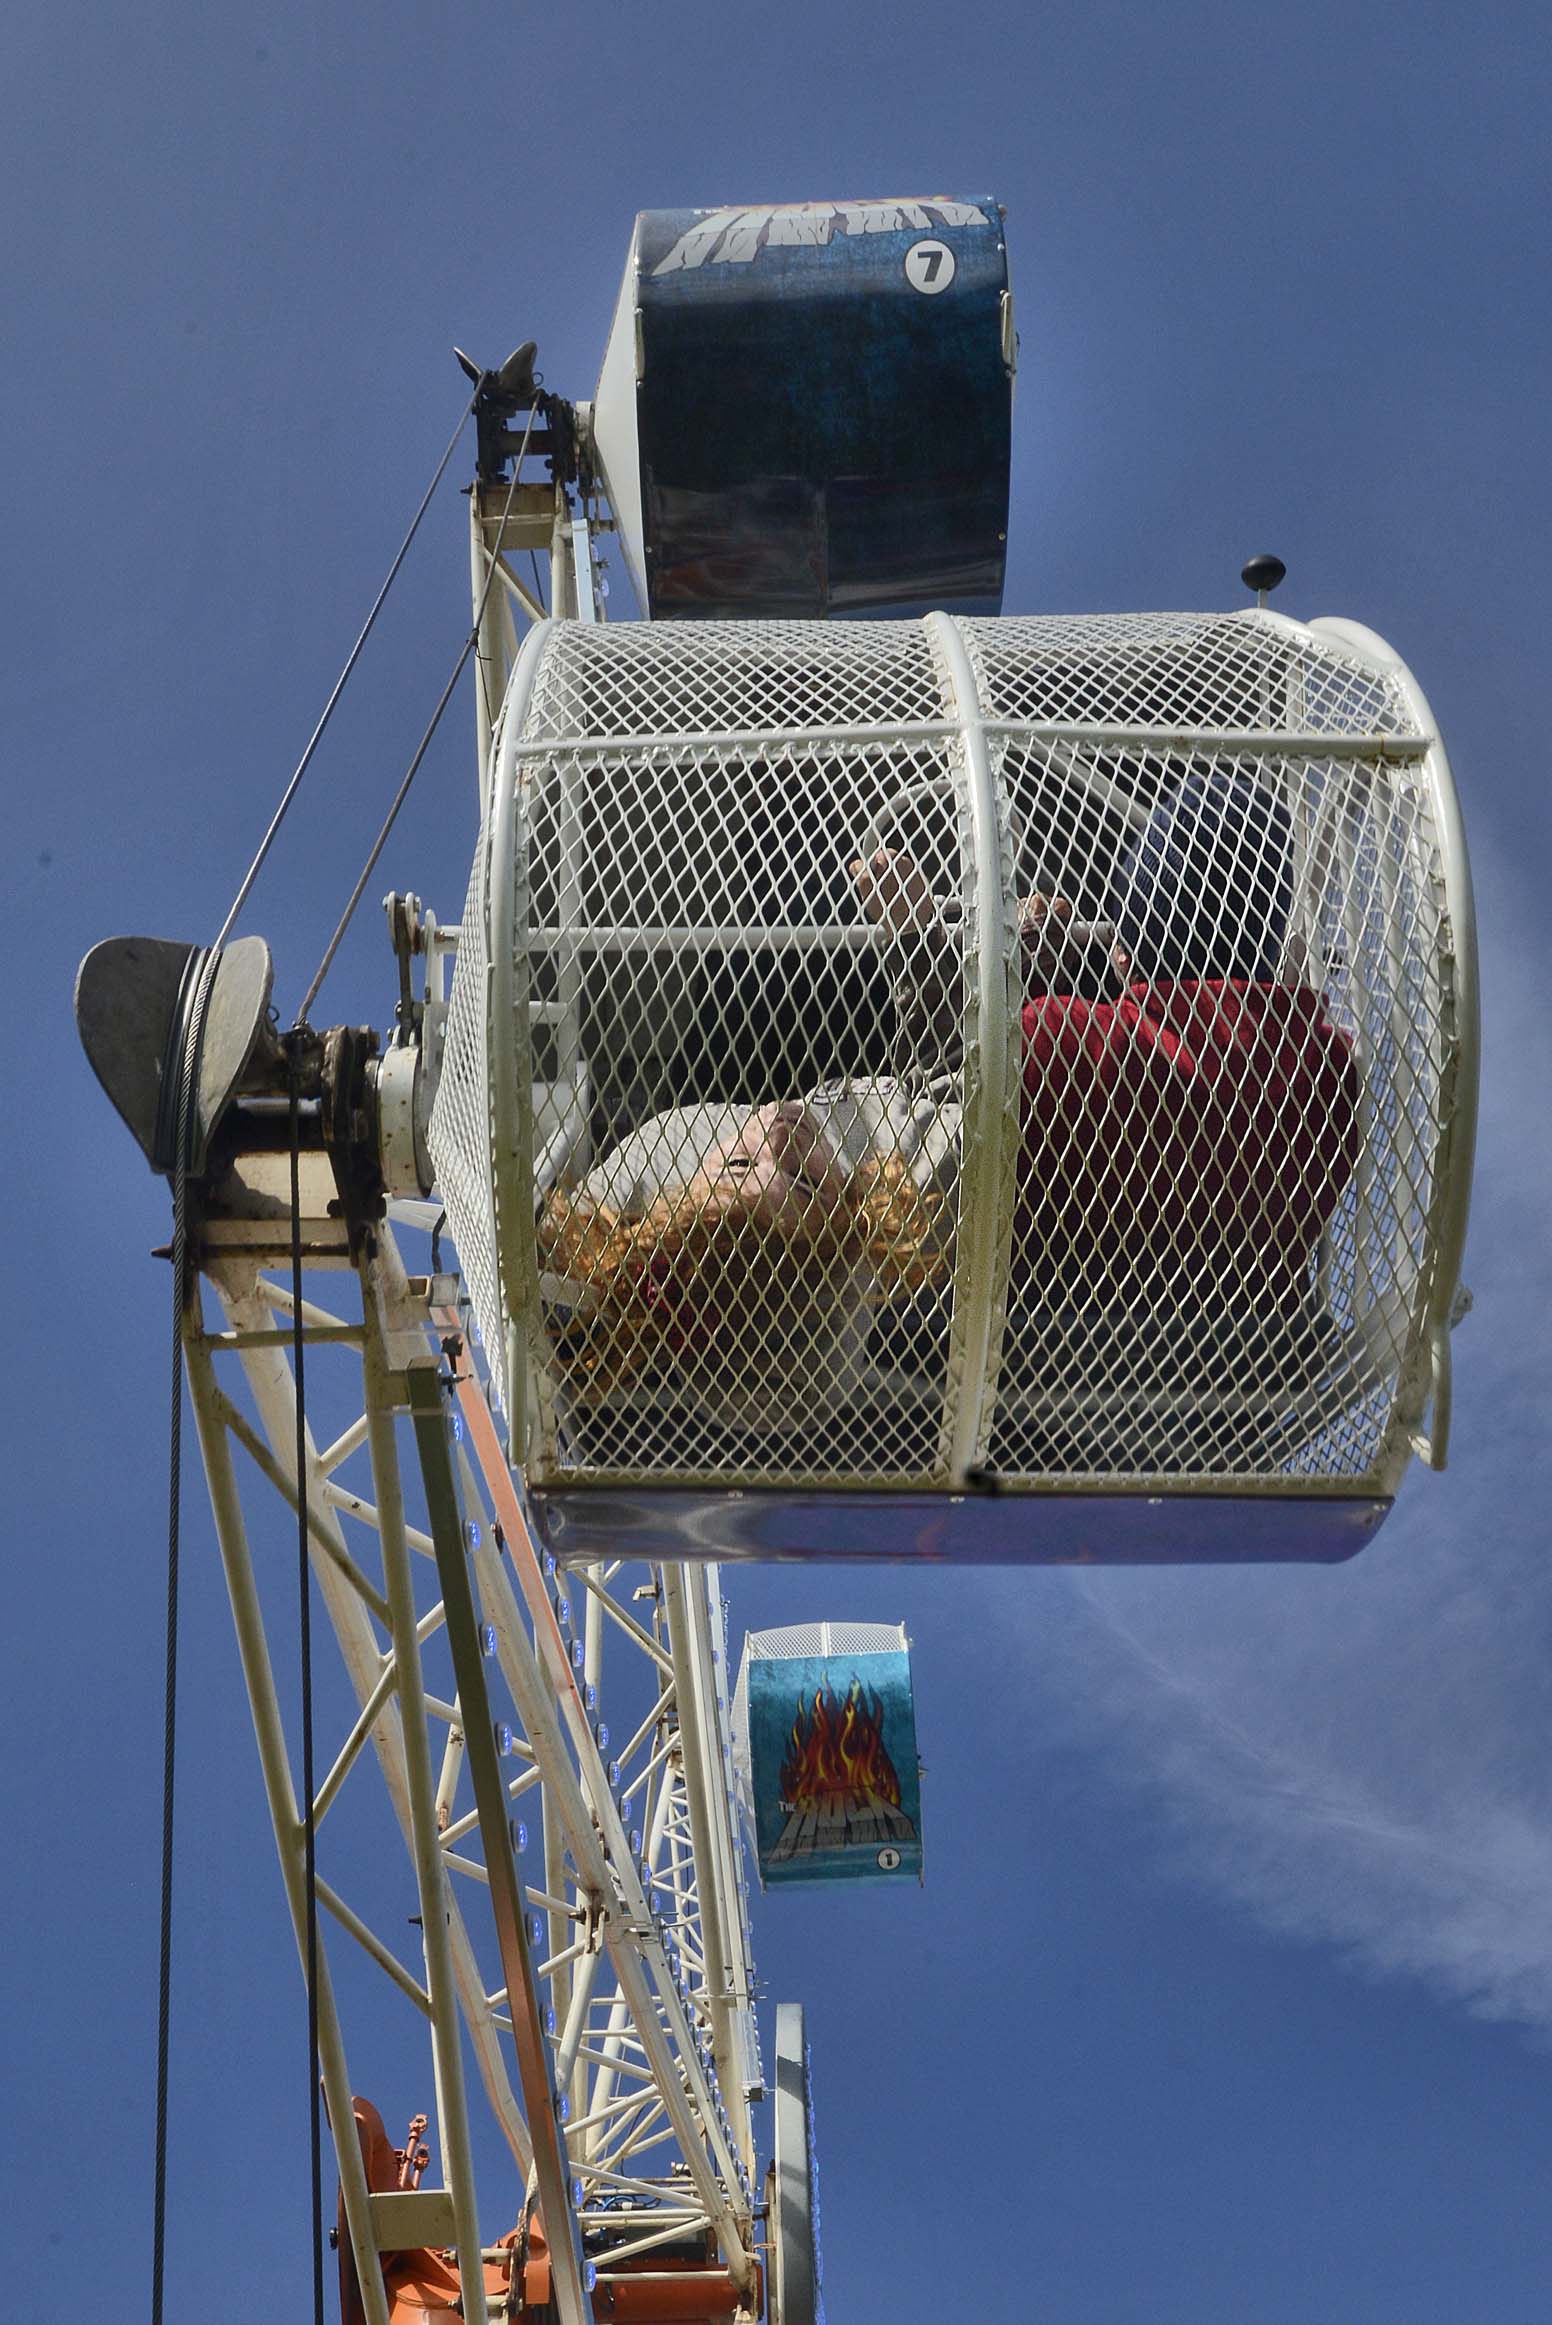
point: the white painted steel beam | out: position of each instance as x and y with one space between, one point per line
424 1837
424 1383
269 1379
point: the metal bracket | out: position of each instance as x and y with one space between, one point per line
410 2219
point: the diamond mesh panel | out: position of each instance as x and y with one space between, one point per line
1222 1239
748 958
825 1639
767 1168
460 1129
647 679
1177 670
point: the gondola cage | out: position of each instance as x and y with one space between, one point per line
821 1192
824 1743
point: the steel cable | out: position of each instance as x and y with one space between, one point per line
188 1070
400 796
304 1593
189 1065
286 797
169 1730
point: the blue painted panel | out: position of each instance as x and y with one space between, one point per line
832 1748
963 1529
824 411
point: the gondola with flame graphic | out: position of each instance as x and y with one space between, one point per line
828 1741
838 1783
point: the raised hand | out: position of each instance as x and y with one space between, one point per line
894 890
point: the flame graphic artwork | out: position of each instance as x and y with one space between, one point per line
836 1753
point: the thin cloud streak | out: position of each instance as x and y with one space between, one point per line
1360 1756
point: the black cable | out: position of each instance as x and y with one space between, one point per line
381 841
169 1721
304 1596
403 792
188 1068
316 736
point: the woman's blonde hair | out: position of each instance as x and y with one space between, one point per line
686 1278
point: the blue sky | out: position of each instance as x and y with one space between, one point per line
1228 1997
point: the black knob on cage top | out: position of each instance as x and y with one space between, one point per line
1262 574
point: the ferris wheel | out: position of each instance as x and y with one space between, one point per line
907 1082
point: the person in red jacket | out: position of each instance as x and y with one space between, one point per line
1189 1138
1190 1116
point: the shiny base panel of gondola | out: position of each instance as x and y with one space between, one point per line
975 1529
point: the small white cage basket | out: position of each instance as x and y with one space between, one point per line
792 1140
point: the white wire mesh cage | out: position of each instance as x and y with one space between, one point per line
889 1055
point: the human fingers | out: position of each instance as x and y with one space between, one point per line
894 888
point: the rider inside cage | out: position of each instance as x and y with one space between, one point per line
1189 1124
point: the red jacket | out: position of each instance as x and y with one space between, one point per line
1186 1138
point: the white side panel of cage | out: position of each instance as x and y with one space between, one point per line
511 1002
460 1128
1093 1391
695 919
990 1134
1458 1049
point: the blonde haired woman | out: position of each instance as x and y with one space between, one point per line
734 1257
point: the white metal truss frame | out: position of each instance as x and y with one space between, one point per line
541 520
632 2020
